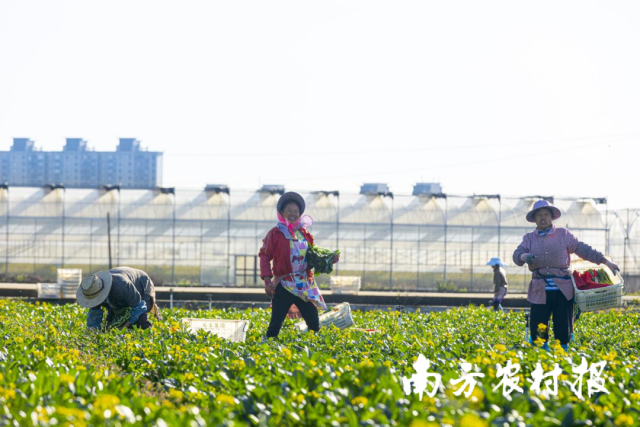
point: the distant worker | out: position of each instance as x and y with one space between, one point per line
547 251
126 293
499 281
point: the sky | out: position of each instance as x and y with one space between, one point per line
491 97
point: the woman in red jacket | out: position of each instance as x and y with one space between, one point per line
290 282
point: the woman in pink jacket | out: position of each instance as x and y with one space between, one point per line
547 251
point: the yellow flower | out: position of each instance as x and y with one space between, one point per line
175 394
477 395
472 420
366 363
542 327
359 400
624 420
500 347
7 393
106 402
238 364
73 413
68 379
224 398
287 353
422 423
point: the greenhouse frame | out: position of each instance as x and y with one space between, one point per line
211 237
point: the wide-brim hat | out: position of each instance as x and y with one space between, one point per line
94 289
288 197
496 261
555 212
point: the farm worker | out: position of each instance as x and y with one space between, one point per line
499 281
290 282
547 251
127 294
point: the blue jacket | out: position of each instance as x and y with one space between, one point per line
130 288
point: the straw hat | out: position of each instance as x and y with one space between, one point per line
289 197
94 289
496 261
555 212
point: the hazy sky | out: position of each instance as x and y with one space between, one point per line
516 98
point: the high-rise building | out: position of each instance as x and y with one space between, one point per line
78 166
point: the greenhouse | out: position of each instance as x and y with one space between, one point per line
429 241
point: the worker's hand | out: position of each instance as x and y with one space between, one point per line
612 266
294 312
126 325
527 257
269 289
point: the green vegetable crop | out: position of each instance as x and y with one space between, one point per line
52 372
320 259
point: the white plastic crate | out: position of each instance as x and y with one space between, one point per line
49 291
345 284
601 298
340 315
232 330
69 279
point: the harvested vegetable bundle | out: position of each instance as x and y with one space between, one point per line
603 277
120 318
598 276
320 259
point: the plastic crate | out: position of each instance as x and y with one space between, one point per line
232 330
49 291
601 298
345 284
340 316
69 280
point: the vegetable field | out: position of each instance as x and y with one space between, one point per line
54 373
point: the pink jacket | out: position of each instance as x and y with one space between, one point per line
553 258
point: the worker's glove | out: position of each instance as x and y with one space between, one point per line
269 288
612 266
527 257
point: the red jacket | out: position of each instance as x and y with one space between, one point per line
276 247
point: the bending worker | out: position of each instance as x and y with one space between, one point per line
126 293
